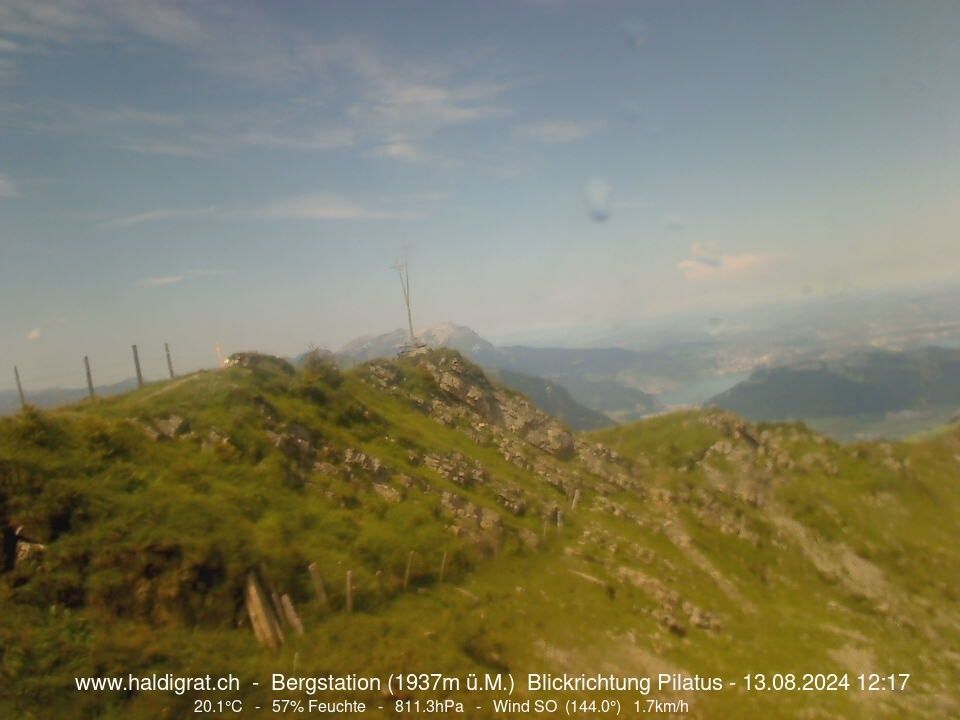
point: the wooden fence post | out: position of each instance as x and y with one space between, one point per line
406 573
166 349
16 374
86 364
290 612
277 607
318 586
576 499
262 619
349 591
136 366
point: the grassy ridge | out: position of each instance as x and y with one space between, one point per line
699 544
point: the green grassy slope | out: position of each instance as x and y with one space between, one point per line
698 544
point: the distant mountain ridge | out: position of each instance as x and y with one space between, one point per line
56 397
861 384
575 386
446 335
593 381
553 399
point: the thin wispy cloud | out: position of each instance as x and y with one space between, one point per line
426 106
125 114
376 97
54 21
308 206
167 280
62 21
401 150
704 264
323 206
399 105
137 130
548 4
159 147
8 188
556 131
316 140
160 215
161 281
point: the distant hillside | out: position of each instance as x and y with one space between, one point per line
167 529
865 385
622 402
554 400
652 371
606 380
56 397
549 396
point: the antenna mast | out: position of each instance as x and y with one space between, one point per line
404 272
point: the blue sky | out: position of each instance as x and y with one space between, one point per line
246 173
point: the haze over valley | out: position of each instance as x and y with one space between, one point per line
853 367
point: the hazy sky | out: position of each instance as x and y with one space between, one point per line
247 172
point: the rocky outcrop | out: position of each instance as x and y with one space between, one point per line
171 426
167 428
296 443
552 438
387 492
469 516
29 553
464 384
672 611
512 451
456 468
513 499
19 550
385 374
359 460
215 439
259 361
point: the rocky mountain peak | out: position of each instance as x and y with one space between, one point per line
445 334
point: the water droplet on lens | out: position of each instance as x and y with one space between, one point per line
596 194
